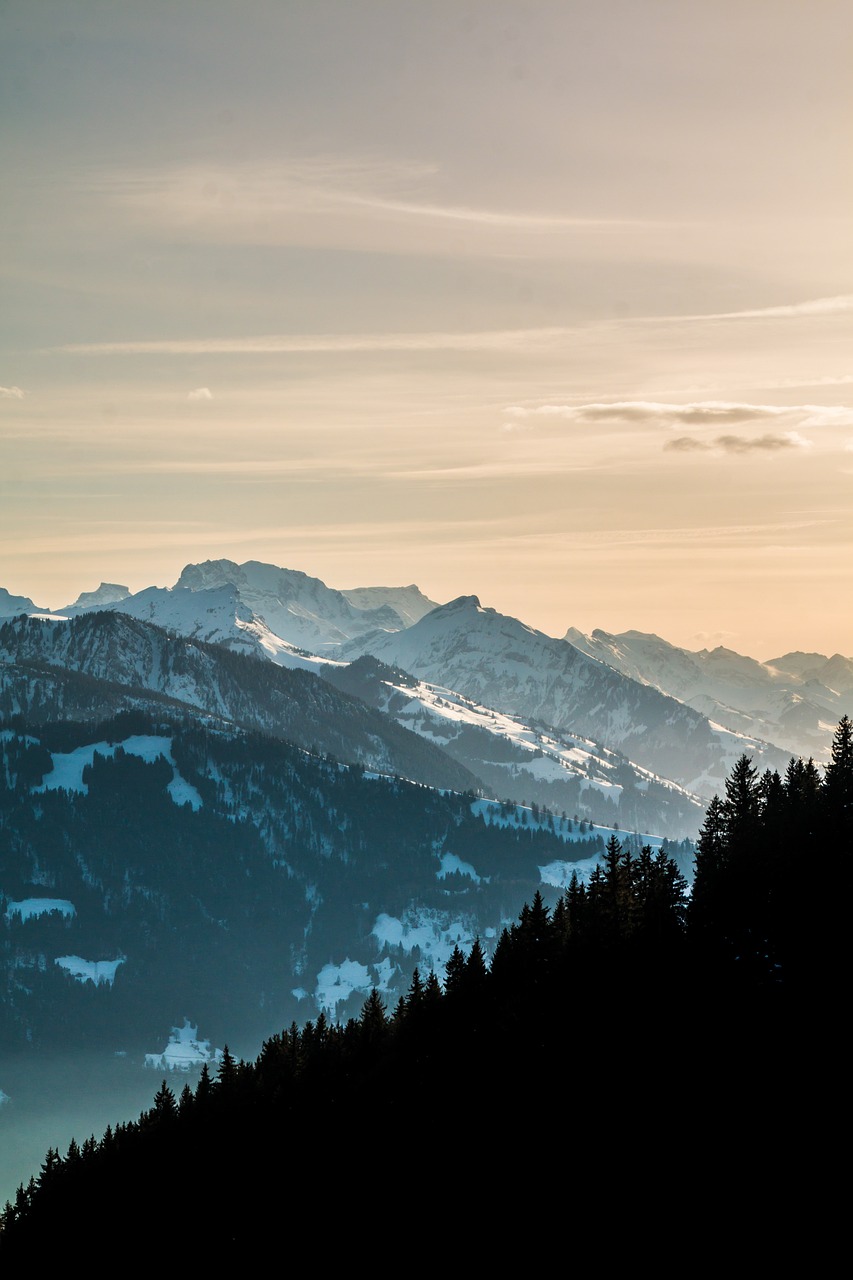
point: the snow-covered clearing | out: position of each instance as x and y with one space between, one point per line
67 772
183 1051
96 971
28 908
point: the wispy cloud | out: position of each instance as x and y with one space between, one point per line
11 393
200 393
307 343
840 304
323 184
714 637
524 222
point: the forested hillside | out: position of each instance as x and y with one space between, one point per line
629 1030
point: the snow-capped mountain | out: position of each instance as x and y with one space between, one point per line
792 701
280 614
302 610
11 606
297 621
833 673
106 594
510 667
409 603
216 615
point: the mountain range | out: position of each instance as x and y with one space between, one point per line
682 716
250 798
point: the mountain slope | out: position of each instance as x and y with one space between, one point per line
299 609
508 666
98 663
791 701
11 606
524 760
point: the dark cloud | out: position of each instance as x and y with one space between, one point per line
685 444
738 444
766 444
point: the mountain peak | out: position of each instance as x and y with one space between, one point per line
196 577
106 593
11 606
460 603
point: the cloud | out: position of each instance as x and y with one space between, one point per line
713 637
829 415
200 393
11 393
715 412
308 343
740 444
712 413
531 222
265 194
685 444
790 311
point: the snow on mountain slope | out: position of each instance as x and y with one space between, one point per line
107 593
69 766
99 663
835 673
409 603
11 606
791 701
510 667
298 609
280 614
523 761
215 615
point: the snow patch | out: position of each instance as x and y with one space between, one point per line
183 1051
559 874
450 863
29 908
337 982
432 932
385 971
68 767
96 971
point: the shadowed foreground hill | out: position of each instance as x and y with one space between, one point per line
646 1062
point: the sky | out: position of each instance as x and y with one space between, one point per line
539 300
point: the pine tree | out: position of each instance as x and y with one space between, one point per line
204 1088
165 1108
709 864
374 1022
838 781
433 994
475 973
742 807
226 1075
453 970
